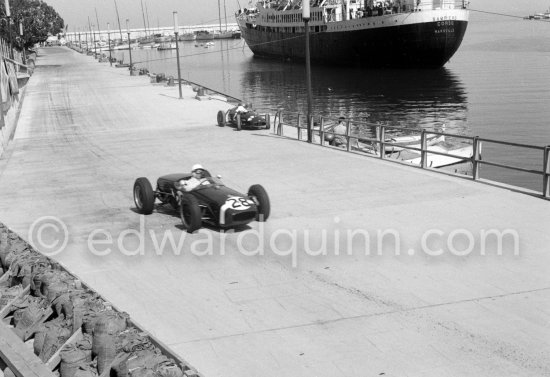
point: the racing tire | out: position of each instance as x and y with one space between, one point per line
239 122
144 196
260 197
190 213
221 118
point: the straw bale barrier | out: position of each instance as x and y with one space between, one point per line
70 327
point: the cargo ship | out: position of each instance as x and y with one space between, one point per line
361 33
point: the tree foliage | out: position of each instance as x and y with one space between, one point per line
38 18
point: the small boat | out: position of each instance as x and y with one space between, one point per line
167 46
223 35
208 44
410 141
437 161
133 46
159 38
203 35
187 37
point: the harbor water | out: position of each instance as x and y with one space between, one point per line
496 86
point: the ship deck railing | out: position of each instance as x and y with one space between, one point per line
380 9
373 137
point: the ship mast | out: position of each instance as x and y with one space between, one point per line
118 18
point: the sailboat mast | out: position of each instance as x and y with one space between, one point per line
118 19
225 12
97 20
143 15
147 13
220 15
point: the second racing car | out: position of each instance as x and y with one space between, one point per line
242 119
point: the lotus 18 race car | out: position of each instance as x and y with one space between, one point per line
210 202
248 120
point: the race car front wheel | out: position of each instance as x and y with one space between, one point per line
221 118
144 196
190 213
260 197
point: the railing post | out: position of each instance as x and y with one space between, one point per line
423 150
268 120
381 138
280 127
239 122
546 175
299 127
275 121
348 136
312 128
322 132
475 158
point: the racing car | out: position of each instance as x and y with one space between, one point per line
248 120
210 202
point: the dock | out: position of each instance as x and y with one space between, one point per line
365 267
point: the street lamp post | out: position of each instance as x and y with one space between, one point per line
176 32
306 17
22 42
109 43
129 47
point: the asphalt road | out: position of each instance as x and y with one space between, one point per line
365 267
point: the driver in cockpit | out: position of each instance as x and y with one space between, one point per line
198 175
241 109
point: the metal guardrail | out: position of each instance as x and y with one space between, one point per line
380 143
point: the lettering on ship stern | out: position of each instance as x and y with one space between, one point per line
444 25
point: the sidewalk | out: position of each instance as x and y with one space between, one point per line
87 131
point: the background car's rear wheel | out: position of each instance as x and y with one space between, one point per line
190 213
144 196
221 118
259 195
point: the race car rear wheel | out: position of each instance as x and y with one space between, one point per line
221 118
260 197
190 213
144 196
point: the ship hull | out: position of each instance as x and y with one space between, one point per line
415 40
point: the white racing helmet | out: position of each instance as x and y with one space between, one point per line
197 167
